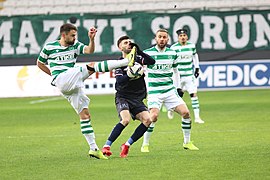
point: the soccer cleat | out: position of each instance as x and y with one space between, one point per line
145 148
97 154
124 151
199 121
170 114
132 56
107 151
190 146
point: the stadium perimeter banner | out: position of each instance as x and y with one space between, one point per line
222 75
23 81
24 36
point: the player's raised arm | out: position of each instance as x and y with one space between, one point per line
91 46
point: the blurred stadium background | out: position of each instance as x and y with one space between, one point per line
223 30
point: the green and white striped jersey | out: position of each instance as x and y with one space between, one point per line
60 58
160 74
185 58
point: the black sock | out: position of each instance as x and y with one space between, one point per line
117 130
138 133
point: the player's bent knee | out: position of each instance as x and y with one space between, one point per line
147 122
125 122
185 114
84 114
154 118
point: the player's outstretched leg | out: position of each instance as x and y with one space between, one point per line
108 65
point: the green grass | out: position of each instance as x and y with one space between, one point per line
43 141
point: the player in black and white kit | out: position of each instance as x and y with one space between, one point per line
129 99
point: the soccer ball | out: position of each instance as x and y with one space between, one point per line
135 72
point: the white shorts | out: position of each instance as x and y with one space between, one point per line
71 84
188 83
170 100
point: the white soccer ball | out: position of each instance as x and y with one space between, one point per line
136 71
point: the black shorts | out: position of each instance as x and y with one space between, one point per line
134 106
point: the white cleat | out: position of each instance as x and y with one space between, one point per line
170 114
199 121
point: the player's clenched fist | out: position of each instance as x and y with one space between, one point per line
92 33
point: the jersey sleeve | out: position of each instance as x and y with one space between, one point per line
121 77
194 50
43 55
196 61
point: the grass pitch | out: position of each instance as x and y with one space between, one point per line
42 140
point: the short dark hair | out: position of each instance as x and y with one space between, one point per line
121 39
67 27
181 31
162 30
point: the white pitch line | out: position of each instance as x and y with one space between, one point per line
52 136
45 100
15 137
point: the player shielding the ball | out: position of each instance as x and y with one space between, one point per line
130 93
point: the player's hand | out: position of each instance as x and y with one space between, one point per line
92 33
197 72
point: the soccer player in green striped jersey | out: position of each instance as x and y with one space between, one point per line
188 60
61 56
161 89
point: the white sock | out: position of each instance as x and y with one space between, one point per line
88 132
196 107
148 133
196 113
90 138
106 66
186 128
